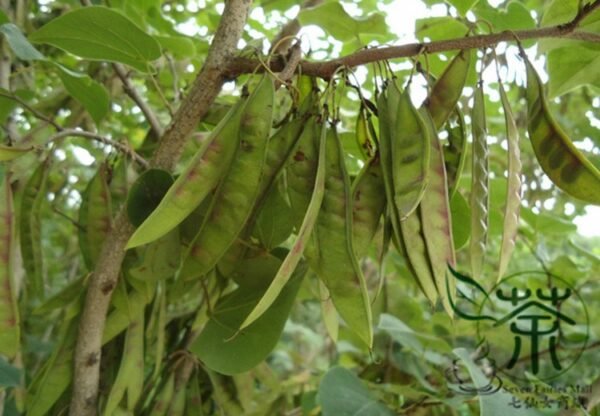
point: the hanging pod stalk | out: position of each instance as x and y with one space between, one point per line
368 197
447 90
302 170
513 188
407 234
442 103
301 173
410 151
200 177
384 109
364 140
130 377
436 218
479 186
455 151
295 254
338 267
564 164
9 313
236 195
95 217
282 145
30 229
414 248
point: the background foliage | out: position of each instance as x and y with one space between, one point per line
66 81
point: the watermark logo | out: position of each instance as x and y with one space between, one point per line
458 375
534 322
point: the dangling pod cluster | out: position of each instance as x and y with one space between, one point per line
415 178
274 200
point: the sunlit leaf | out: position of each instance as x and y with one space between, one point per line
100 33
335 21
572 67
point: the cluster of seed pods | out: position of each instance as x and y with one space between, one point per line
212 225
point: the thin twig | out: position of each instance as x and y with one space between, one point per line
293 61
325 69
182 375
203 91
162 96
66 217
280 45
102 139
32 110
175 76
130 90
535 254
62 132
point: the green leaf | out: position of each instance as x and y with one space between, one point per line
399 332
10 376
3 17
222 349
146 193
565 267
19 44
160 258
341 393
179 46
256 271
62 298
274 224
335 21
461 220
561 12
6 107
497 404
91 94
99 33
437 28
572 67
10 152
515 16
462 6
547 223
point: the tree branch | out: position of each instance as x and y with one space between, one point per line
294 57
135 96
206 87
89 135
105 277
326 69
32 110
284 38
